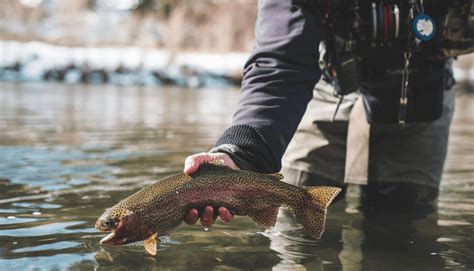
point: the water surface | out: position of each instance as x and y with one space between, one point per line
68 152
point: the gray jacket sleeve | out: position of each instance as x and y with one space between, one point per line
278 81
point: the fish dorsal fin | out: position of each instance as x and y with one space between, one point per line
266 217
218 162
279 176
150 244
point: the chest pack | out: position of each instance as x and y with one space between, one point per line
395 52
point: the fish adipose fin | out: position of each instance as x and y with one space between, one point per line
312 211
279 176
265 218
150 244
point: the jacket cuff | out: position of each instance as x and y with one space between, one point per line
247 148
241 158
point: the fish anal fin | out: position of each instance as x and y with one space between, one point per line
150 244
266 217
279 176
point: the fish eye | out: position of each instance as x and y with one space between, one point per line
108 223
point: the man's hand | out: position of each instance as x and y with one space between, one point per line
191 165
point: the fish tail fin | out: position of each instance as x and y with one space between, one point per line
311 212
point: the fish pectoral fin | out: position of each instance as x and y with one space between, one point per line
266 217
150 244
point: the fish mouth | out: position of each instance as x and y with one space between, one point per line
113 239
129 229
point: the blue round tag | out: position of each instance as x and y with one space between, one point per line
424 27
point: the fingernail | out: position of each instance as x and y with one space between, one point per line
188 166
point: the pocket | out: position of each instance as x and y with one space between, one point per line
425 100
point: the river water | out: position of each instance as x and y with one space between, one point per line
69 152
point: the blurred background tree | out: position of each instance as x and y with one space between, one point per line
207 25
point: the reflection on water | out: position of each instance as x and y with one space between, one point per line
68 152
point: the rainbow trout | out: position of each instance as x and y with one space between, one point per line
159 208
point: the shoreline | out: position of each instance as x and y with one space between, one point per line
38 61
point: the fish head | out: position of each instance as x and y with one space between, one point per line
124 226
110 219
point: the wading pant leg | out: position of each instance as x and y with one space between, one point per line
316 154
405 162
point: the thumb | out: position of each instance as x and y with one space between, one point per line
192 163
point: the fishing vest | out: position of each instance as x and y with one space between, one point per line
396 53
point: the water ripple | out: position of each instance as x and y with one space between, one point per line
69 152
47 229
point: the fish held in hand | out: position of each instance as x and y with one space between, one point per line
160 207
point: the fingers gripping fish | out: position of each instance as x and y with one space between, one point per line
159 208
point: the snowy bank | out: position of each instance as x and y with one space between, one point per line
35 61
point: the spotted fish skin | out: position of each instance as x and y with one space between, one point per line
163 205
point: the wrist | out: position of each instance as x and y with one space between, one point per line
241 158
247 147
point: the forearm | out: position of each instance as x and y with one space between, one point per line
278 81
